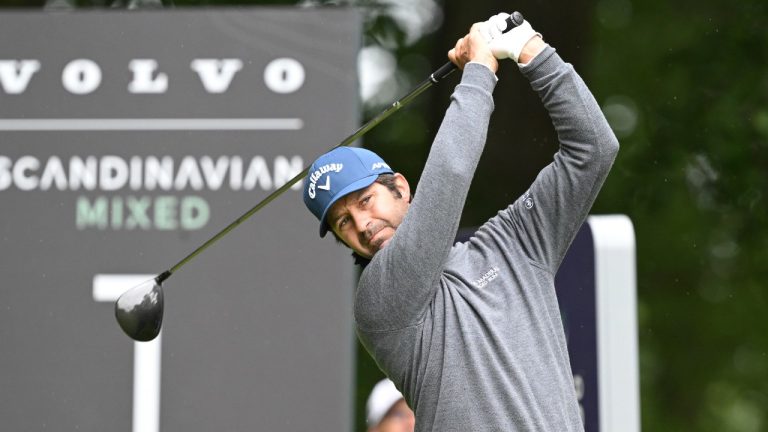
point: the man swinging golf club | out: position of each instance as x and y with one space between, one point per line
471 333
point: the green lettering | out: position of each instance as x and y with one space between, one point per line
117 212
165 213
195 213
138 209
88 215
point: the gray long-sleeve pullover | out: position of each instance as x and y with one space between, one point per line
471 333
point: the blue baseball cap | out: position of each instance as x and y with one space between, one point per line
339 172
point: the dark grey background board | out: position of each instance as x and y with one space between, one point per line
257 330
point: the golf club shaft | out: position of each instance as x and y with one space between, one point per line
434 78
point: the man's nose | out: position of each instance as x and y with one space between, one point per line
362 221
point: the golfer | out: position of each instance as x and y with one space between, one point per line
470 332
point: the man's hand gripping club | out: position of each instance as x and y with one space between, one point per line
487 42
474 48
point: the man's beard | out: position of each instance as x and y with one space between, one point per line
375 245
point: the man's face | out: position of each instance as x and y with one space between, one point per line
366 220
399 418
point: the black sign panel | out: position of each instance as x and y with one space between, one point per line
576 288
126 140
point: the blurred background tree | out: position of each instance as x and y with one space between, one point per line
685 87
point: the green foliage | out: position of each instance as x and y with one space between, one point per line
692 177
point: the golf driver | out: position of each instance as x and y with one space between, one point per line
139 311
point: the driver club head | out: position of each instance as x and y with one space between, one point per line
139 311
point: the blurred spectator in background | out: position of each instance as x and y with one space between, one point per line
386 410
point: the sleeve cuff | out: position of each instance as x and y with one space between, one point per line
479 75
545 62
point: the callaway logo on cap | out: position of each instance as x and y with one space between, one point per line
339 172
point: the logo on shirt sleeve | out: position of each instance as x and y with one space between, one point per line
527 200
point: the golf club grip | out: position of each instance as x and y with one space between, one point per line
513 20
442 72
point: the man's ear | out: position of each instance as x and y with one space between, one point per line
402 186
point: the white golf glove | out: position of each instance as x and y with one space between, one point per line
511 43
